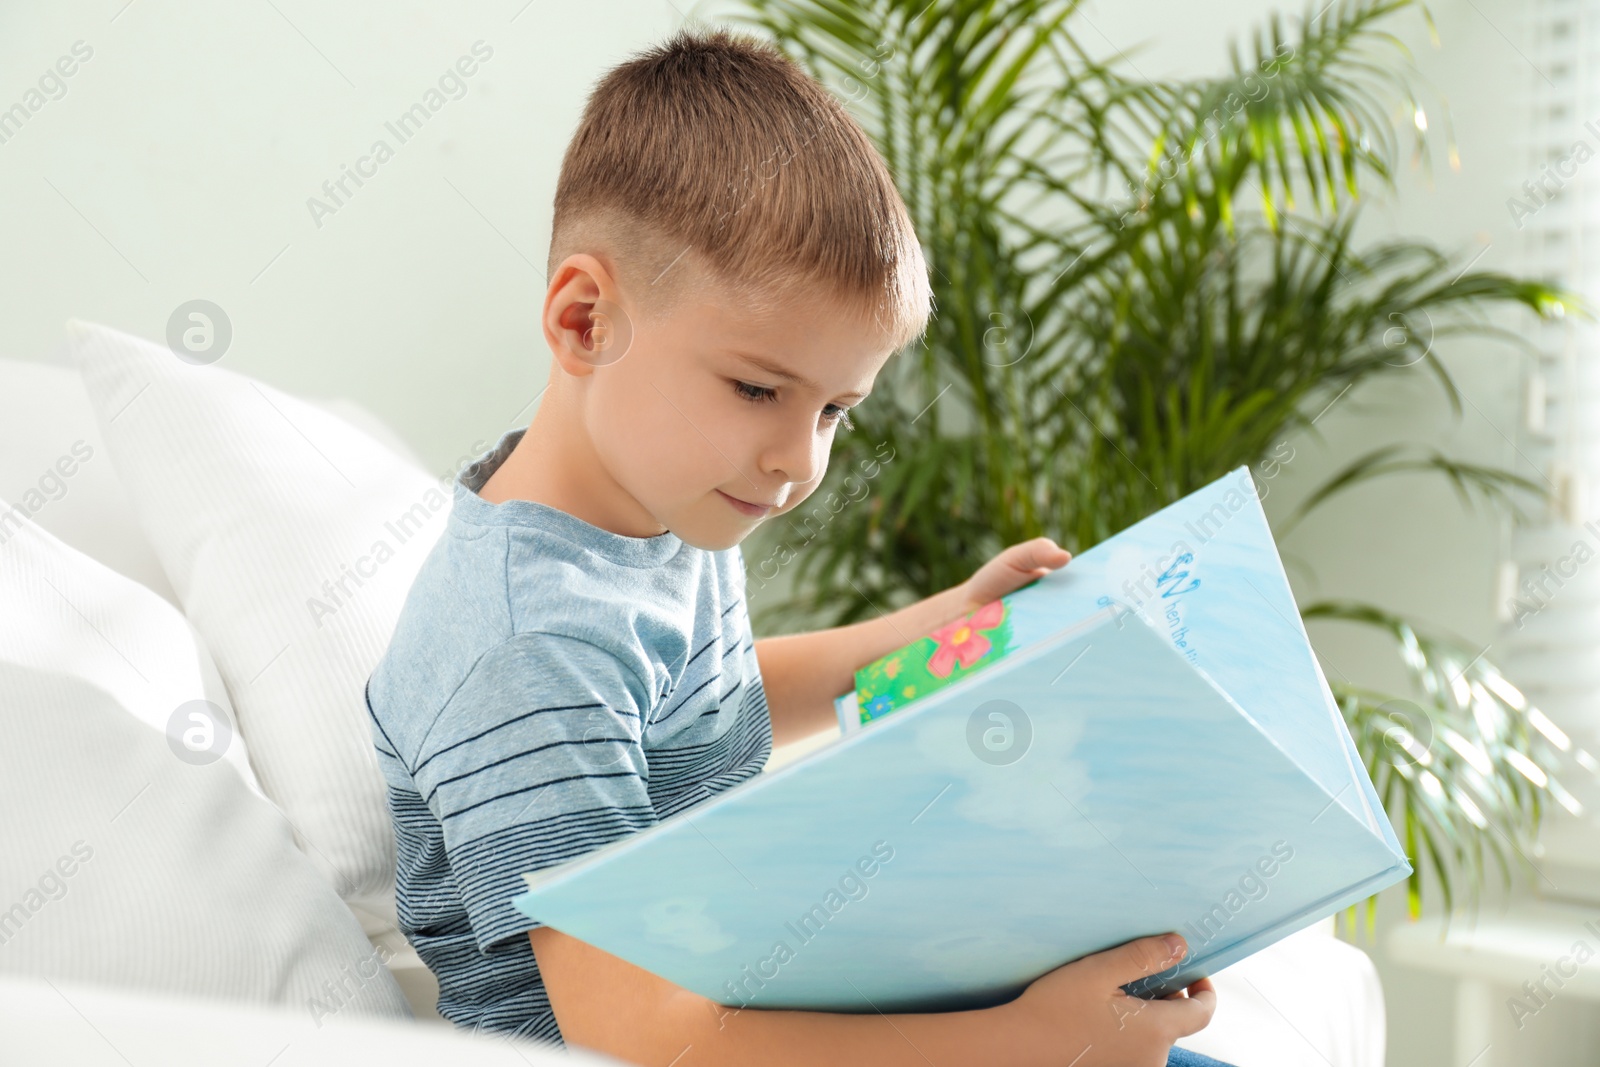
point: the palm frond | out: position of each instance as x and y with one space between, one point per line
1492 483
1139 286
1472 763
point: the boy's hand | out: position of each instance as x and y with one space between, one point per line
1013 568
1080 1012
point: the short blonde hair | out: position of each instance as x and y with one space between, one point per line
715 156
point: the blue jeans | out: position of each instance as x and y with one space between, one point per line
1180 1057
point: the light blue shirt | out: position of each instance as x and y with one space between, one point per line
550 686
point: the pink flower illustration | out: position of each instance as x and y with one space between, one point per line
961 640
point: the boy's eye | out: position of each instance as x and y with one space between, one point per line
758 394
754 393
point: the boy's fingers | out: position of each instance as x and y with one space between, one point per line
1140 957
1194 987
1187 1015
1039 552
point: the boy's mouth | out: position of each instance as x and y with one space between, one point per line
744 506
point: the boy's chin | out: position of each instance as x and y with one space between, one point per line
713 534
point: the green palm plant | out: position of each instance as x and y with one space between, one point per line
1129 303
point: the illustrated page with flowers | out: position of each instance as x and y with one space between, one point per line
947 655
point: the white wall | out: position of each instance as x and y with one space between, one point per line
179 162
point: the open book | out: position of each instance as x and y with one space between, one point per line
1142 741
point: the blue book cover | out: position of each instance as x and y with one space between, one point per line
1141 741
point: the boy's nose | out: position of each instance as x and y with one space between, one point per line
796 458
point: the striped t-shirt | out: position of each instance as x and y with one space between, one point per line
550 686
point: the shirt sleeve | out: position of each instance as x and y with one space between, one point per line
537 758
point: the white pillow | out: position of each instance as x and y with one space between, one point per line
68 614
138 850
54 470
291 538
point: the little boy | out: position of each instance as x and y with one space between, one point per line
730 267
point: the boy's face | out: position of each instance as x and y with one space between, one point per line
695 420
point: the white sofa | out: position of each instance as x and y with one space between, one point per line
152 494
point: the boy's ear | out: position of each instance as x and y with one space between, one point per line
584 323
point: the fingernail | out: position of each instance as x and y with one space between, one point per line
1174 945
